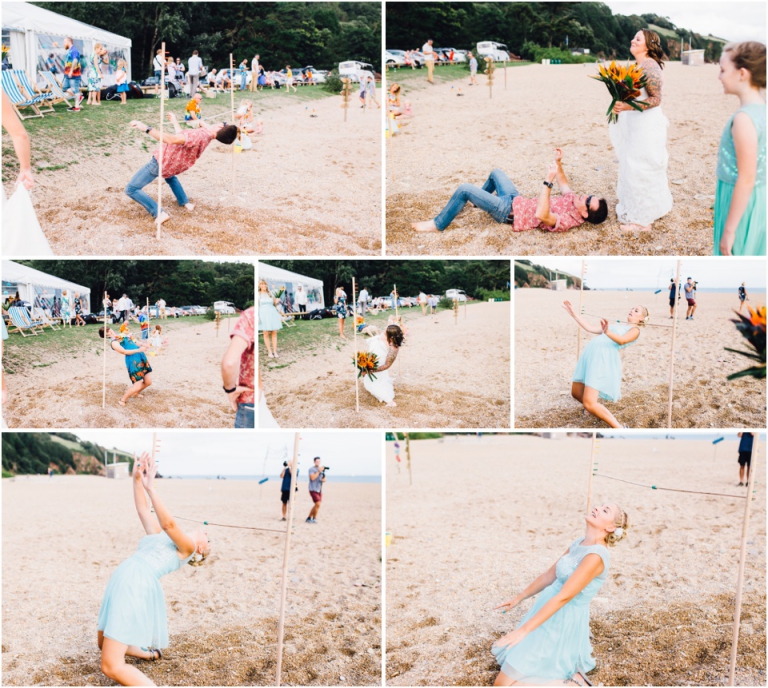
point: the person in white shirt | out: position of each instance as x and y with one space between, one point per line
254 73
301 299
193 73
157 64
423 302
429 58
362 300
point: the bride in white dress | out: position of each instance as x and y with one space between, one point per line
640 141
386 346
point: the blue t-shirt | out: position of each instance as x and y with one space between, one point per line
746 442
287 479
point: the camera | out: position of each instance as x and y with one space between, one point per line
325 468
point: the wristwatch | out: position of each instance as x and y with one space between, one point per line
148 130
549 184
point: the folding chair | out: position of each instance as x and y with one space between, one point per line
59 95
31 91
42 316
21 321
11 89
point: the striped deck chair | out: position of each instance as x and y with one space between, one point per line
31 91
59 95
22 322
42 316
19 101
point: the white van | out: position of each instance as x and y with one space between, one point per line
352 69
456 295
226 307
498 51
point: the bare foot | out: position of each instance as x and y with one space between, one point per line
190 206
342 336
391 403
163 217
140 396
121 402
634 227
426 226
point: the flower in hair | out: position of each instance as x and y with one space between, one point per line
619 531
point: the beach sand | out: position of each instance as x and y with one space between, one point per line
485 517
55 389
450 375
545 359
309 186
63 538
454 140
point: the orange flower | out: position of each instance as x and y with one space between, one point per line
757 316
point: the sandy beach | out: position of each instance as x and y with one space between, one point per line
485 517
309 186
51 388
453 140
545 359
63 538
447 375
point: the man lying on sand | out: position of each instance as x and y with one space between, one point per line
557 214
186 147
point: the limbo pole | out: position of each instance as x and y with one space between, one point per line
104 362
743 557
672 352
396 298
232 113
592 465
354 336
581 306
160 149
408 456
284 582
505 75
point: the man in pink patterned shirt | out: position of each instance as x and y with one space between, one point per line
507 206
180 151
237 370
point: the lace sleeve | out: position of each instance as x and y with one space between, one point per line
391 356
653 85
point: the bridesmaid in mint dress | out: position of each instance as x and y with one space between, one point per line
133 620
551 644
269 319
598 371
739 227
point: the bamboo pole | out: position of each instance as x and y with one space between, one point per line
354 335
743 558
160 148
581 307
397 317
232 113
672 352
455 311
284 583
592 453
104 362
408 456
505 75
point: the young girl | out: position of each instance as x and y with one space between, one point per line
340 299
156 340
739 227
136 361
386 347
133 620
269 319
289 80
245 121
551 644
121 79
598 372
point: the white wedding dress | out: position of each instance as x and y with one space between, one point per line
266 419
640 142
382 387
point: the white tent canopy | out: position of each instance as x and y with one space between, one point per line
277 277
34 33
30 284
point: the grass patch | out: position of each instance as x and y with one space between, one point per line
416 79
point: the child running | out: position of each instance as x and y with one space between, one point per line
598 371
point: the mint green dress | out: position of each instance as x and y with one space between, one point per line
750 234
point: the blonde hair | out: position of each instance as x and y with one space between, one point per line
749 55
194 561
264 282
621 522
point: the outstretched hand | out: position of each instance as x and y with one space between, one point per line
508 605
511 639
558 155
148 471
568 306
136 124
604 325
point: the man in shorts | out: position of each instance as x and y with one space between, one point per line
672 297
285 488
472 69
316 480
71 81
690 297
745 457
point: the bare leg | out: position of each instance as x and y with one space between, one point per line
315 509
577 391
113 665
593 406
274 342
266 342
503 680
285 509
134 389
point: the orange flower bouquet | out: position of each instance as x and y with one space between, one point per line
623 83
752 328
366 363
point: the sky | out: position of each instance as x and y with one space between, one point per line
230 453
734 21
655 273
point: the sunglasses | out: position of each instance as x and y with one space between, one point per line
589 200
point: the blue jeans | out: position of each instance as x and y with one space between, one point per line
71 83
243 79
245 416
498 206
146 175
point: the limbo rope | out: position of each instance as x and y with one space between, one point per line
595 315
671 489
224 525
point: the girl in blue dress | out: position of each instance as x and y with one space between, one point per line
598 372
136 361
551 645
269 319
133 620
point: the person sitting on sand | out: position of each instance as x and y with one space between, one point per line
507 206
598 371
245 121
192 114
181 150
133 621
136 361
551 645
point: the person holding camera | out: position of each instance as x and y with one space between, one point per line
316 480
285 488
690 297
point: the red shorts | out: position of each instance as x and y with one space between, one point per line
317 497
691 302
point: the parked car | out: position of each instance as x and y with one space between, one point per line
456 294
458 55
394 58
498 51
199 310
355 70
226 307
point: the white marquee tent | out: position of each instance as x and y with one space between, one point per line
277 277
34 34
31 284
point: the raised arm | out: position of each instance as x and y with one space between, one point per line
594 329
151 526
543 213
184 543
175 138
630 336
128 352
562 180
391 356
653 84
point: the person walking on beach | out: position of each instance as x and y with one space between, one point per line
133 620
193 73
72 73
285 488
551 645
316 480
673 294
301 299
362 300
237 370
690 297
254 73
472 69
743 296
423 302
745 457
429 59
